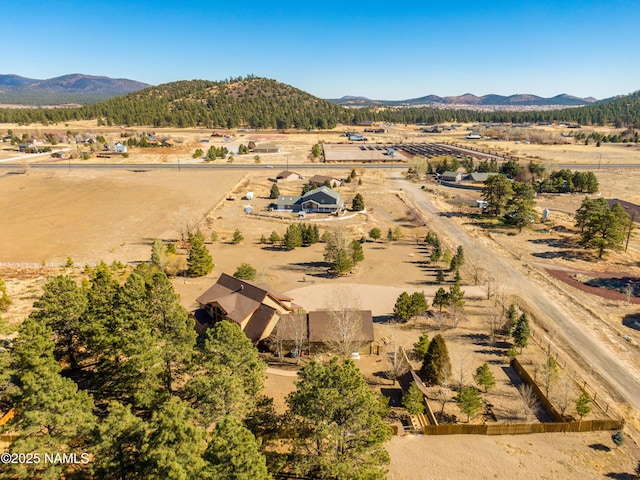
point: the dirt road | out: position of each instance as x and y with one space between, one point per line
590 352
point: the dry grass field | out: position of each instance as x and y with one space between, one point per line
115 215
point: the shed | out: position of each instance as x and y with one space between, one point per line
451 177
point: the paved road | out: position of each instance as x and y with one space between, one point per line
510 274
240 166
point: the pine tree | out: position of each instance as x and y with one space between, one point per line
234 454
436 366
237 237
469 401
521 332
245 272
118 444
5 301
421 347
336 416
483 377
402 308
175 444
441 299
199 261
375 234
292 237
357 255
358 203
413 400
275 192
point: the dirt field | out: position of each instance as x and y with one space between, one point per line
92 216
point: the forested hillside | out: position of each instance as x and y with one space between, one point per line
253 102
262 103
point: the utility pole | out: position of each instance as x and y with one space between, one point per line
631 222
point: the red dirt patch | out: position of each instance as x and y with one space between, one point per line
566 277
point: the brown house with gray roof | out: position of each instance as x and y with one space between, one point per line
317 328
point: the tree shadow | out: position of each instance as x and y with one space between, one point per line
565 254
621 476
600 447
554 242
311 269
383 318
618 284
394 395
477 338
491 351
632 321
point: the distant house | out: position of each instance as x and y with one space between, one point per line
366 123
267 148
61 154
120 148
451 176
318 329
357 138
479 177
287 176
474 136
320 180
254 307
318 200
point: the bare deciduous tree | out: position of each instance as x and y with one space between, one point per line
185 221
442 395
398 360
565 394
343 336
529 402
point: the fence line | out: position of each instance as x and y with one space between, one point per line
524 428
546 403
544 342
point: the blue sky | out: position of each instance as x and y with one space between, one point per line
383 50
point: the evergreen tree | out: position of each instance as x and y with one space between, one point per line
440 276
230 373
358 203
497 191
357 255
402 308
441 299
119 440
456 296
234 454
421 347
5 301
292 237
418 303
175 444
521 332
512 320
337 421
413 400
483 377
519 208
375 234
274 237
582 405
51 414
173 330
275 192
245 272
237 236
62 307
199 261
469 401
436 366
602 227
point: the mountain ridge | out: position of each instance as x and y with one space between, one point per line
71 88
562 99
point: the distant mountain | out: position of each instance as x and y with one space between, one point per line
74 88
468 99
